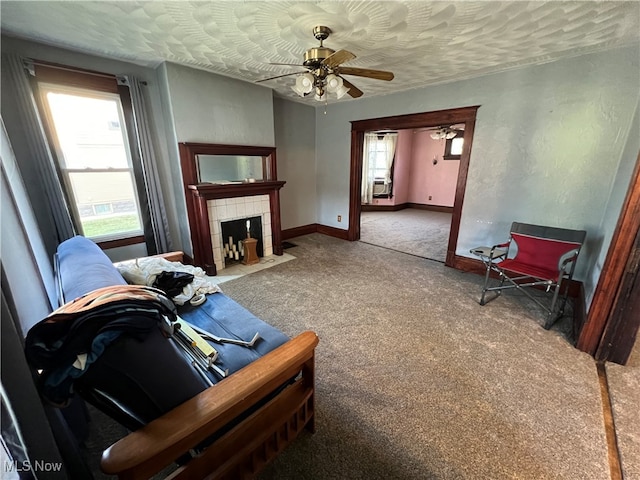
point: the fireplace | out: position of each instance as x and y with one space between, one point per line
210 202
229 248
221 203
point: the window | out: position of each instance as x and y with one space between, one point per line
380 149
378 158
453 147
86 125
94 160
102 209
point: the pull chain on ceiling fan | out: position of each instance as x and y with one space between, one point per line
325 70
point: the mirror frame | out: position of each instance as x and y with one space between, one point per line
189 162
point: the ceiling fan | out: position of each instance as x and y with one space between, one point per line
445 131
325 70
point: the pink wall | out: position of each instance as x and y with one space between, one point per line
402 170
415 177
428 180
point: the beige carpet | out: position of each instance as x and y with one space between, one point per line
624 385
416 380
418 232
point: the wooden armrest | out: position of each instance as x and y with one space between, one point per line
155 446
176 256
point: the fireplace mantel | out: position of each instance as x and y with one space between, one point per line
211 191
197 194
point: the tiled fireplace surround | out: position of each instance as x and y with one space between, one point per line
209 204
226 209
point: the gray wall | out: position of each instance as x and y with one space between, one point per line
618 193
296 157
209 108
546 149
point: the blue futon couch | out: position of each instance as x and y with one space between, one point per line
147 383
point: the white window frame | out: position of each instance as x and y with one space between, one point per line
373 157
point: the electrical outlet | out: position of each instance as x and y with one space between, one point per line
430 197
339 218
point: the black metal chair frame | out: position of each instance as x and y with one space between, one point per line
494 256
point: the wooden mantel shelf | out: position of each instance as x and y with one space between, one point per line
212 191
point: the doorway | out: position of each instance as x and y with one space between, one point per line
409 180
465 115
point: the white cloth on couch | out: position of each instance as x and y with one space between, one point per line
145 270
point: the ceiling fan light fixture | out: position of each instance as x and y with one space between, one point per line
333 83
341 91
443 133
325 66
304 84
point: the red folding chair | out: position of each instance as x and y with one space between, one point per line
541 257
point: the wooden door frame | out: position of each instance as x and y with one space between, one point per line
621 330
466 115
602 319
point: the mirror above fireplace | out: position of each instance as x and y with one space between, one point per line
223 169
221 164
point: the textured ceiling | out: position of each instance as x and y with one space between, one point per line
422 42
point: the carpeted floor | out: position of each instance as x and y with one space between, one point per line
418 232
624 385
415 380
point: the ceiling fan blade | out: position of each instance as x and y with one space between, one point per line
288 64
338 58
354 91
279 76
366 72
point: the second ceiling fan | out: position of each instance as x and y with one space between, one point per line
325 71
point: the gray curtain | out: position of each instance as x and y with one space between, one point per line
368 172
35 160
23 253
157 212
